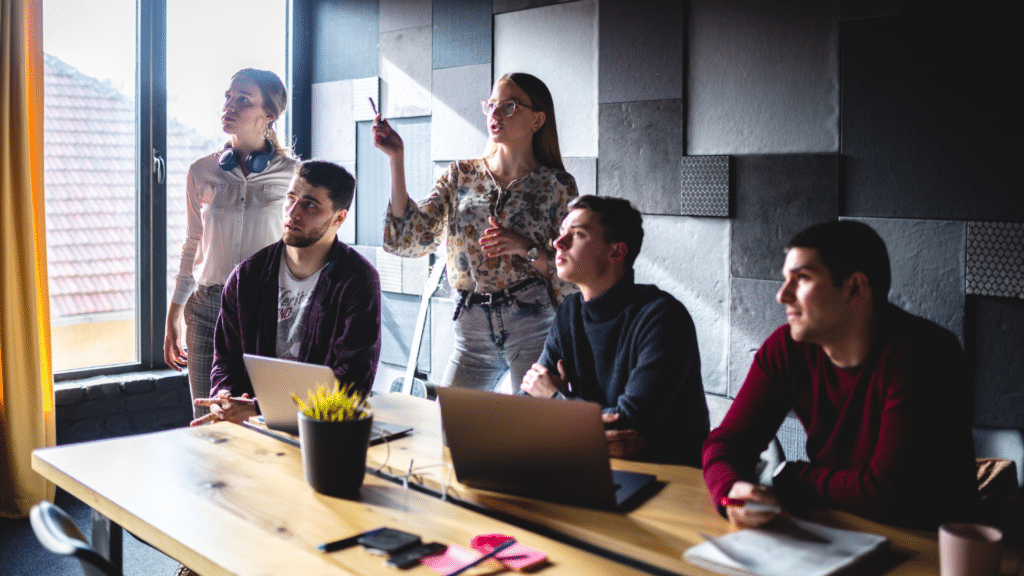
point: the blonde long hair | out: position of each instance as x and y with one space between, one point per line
545 140
275 100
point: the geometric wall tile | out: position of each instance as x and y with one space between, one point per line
995 259
927 262
753 315
641 40
457 127
705 186
689 259
462 33
334 130
402 14
557 44
641 146
584 171
375 174
405 72
363 89
345 36
389 268
776 197
762 77
998 338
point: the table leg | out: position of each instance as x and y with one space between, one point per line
108 539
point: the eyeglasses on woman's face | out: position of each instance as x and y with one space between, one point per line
508 107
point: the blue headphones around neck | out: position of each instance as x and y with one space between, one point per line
256 162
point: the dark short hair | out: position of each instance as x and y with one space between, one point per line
848 246
621 221
340 185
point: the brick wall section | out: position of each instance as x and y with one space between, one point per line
121 405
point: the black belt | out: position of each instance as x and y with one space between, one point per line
492 298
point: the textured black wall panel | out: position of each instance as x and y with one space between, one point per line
346 39
641 148
462 33
931 123
763 77
776 197
995 348
641 50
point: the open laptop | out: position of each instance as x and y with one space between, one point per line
274 380
548 449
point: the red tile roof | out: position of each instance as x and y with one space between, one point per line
90 192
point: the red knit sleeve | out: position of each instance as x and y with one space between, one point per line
732 450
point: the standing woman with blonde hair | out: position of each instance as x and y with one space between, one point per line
235 203
499 214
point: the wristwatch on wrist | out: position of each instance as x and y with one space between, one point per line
533 253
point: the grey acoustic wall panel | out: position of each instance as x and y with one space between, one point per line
374 182
405 72
995 349
345 39
776 197
462 33
557 44
995 259
753 315
501 6
689 258
442 335
397 330
457 125
928 122
334 130
927 262
763 77
641 50
389 268
402 14
584 170
641 150
704 182
347 231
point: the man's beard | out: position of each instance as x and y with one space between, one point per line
305 240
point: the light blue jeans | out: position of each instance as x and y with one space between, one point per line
493 341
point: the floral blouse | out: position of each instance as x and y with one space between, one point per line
458 209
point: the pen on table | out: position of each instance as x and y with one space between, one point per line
490 554
345 542
751 505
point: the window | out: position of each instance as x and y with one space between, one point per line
128 108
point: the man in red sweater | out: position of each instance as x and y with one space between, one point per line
882 394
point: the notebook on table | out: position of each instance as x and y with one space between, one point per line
786 546
542 448
274 380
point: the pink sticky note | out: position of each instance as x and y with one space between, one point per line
517 556
450 560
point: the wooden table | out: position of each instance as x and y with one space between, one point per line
225 500
655 533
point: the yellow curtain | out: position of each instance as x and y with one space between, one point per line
26 377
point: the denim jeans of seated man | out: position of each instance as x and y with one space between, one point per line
490 341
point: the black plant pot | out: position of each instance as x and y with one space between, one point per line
334 454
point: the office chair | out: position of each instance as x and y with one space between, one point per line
58 533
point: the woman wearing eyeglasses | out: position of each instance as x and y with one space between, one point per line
499 214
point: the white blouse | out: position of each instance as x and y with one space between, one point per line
230 218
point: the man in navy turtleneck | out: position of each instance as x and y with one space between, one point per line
632 348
